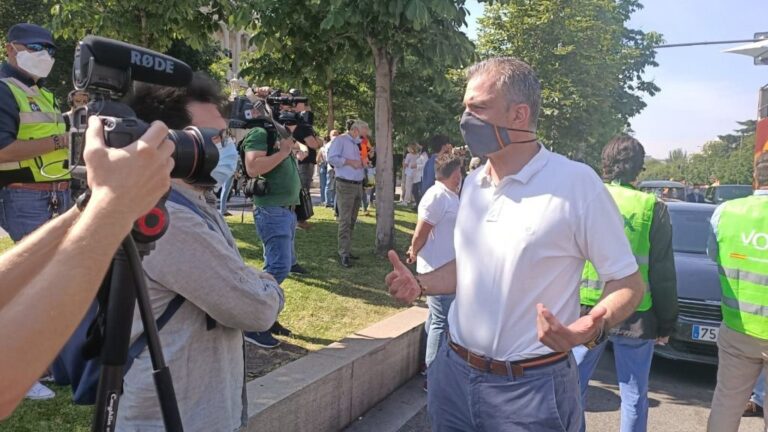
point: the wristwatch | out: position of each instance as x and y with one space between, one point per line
601 337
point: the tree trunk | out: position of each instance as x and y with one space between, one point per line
386 64
331 120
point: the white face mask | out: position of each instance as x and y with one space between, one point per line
38 64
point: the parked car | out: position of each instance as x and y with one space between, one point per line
721 193
698 286
664 189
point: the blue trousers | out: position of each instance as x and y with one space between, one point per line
437 324
225 195
758 393
323 174
633 366
276 226
23 211
461 398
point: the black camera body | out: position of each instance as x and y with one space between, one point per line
106 69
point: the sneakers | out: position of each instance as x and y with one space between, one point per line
298 269
279 330
262 339
40 392
753 410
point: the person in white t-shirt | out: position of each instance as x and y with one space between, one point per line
527 222
409 166
432 242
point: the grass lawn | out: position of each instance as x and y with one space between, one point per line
322 307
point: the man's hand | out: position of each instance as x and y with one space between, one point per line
410 257
60 141
357 164
286 146
561 338
662 340
401 282
129 180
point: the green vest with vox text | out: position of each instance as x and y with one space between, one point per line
636 209
742 241
39 118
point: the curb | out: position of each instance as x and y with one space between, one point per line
331 388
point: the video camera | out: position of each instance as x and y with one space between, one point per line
105 69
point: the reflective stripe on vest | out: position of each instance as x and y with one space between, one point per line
636 209
742 240
38 118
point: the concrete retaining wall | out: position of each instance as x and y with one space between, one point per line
330 388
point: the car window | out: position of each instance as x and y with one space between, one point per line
725 193
690 229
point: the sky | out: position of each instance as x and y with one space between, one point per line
703 90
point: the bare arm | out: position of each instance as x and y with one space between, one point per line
20 264
312 142
20 150
258 163
67 280
420 235
404 287
620 299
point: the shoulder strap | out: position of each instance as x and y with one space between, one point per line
139 344
177 198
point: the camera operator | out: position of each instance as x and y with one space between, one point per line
303 132
125 183
198 259
274 212
33 142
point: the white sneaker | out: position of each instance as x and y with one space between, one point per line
40 392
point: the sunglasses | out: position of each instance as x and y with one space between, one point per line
36 47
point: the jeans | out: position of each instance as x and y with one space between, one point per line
306 173
276 226
758 393
330 193
437 324
225 195
23 211
323 174
417 193
461 398
633 365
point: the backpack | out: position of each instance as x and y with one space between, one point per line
79 362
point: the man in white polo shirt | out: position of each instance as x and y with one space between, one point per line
432 242
527 223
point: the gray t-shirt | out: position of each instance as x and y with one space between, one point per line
207 366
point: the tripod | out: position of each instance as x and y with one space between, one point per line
124 286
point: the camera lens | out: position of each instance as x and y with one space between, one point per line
195 154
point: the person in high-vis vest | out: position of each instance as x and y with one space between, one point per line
738 242
649 231
34 182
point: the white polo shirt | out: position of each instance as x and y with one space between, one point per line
438 207
525 241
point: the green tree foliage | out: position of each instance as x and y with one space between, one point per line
389 59
590 65
728 160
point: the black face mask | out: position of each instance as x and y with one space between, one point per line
484 138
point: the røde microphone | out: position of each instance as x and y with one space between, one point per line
111 65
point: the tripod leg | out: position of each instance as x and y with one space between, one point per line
119 317
161 374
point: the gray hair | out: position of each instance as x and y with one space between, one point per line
358 124
515 79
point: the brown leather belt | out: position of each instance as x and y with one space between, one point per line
47 187
498 367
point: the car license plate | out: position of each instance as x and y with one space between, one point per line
704 333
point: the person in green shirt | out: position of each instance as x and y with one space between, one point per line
274 213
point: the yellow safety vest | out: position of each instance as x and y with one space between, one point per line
636 209
38 118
